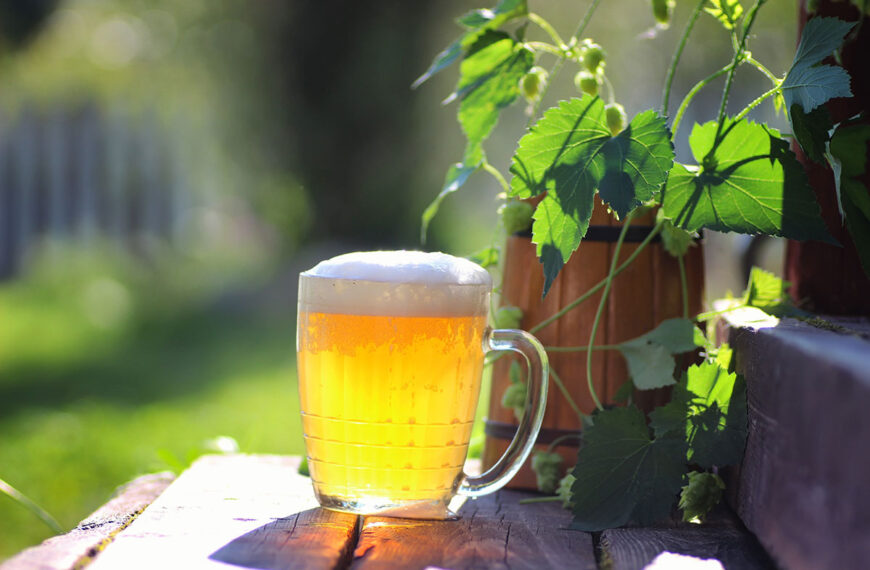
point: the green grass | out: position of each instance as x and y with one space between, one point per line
108 372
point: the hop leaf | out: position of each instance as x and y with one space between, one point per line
564 490
728 12
700 495
547 467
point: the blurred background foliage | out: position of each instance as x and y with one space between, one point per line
133 332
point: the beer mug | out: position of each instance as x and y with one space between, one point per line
390 351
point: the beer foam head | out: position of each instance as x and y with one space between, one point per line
412 283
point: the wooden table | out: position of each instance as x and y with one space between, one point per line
255 511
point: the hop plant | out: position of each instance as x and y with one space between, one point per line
587 82
547 466
616 118
592 55
533 83
515 397
508 317
516 216
662 11
701 494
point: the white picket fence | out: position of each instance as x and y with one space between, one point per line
81 173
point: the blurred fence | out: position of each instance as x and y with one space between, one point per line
81 173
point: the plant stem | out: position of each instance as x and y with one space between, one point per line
758 100
581 348
573 304
545 25
684 288
585 22
601 304
550 499
669 79
611 94
560 439
760 67
691 95
735 62
566 394
496 174
544 46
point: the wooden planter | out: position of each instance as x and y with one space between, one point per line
642 296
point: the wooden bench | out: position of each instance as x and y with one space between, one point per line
256 511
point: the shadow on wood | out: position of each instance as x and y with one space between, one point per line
315 538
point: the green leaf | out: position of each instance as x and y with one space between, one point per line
649 356
808 83
728 12
649 364
811 130
700 495
769 293
622 474
751 183
303 467
716 410
457 175
483 18
486 257
855 205
476 22
570 154
489 80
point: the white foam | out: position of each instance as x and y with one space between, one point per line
396 283
402 267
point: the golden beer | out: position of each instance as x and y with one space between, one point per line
390 349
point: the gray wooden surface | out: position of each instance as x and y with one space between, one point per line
256 511
804 485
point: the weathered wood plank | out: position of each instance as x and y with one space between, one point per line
494 532
94 532
724 542
249 511
803 483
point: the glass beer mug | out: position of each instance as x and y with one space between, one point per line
390 351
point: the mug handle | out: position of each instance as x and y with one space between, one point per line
527 432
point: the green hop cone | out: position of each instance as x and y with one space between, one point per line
587 82
547 466
616 118
533 83
592 55
662 11
564 490
508 317
676 241
516 216
701 494
515 397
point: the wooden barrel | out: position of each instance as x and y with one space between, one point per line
641 297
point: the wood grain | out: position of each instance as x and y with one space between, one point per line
495 532
635 548
803 483
249 511
86 540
